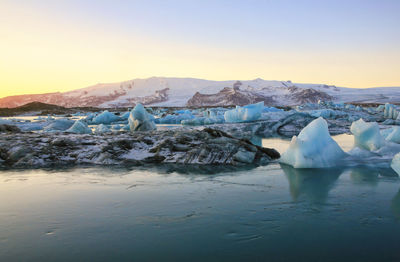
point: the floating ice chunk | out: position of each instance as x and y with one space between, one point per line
396 163
174 119
126 115
5 121
380 108
324 113
367 135
246 113
31 126
394 135
89 117
140 120
350 107
79 127
197 121
106 118
101 129
116 127
313 148
61 124
271 109
390 111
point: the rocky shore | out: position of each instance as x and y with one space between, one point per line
200 147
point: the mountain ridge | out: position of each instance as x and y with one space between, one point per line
174 91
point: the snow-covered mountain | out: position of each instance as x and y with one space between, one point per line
164 91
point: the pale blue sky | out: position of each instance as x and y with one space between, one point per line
351 43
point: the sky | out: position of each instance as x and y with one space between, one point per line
51 46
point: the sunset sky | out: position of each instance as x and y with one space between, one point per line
50 46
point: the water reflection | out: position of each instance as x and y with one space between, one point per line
313 184
370 176
396 205
106 171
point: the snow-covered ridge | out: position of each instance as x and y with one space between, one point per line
165 91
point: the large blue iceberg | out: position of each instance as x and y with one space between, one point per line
313 148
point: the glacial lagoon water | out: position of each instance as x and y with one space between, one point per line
268 213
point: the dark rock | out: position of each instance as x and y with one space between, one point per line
9 128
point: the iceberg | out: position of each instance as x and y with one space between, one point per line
313 148
246 113
390 111
271 109
367 135
101 129
380 108
174 119
140 120
394 135
395 165
106 118
125 115
325 113
116 127
58 125
79 127
197 121
200 121
89 117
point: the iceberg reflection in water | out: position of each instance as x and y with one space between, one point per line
274 213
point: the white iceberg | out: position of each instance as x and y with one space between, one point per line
140 120
246 113
79 127
101 129
367 135
313 148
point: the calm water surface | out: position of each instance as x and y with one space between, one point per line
270 213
